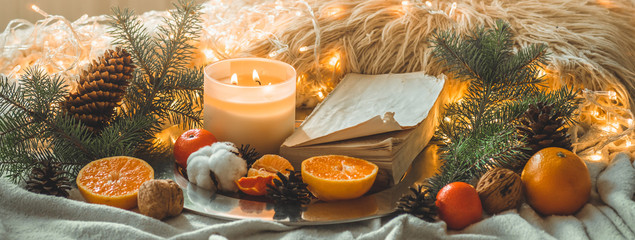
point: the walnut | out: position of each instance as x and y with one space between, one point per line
160 198
500 189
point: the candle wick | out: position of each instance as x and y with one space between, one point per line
259 83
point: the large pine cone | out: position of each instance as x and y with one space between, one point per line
543 128
101 89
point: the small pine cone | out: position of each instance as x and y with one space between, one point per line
48 178
289 190
543 128
101 89
421 204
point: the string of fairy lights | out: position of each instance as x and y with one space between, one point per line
230 27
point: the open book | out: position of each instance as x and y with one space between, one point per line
386 119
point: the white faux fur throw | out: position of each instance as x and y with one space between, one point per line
592 42
610 214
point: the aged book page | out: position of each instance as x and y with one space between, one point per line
364 105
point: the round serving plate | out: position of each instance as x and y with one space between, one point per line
237 207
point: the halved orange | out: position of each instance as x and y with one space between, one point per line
269 165
114 181
336 177
255 186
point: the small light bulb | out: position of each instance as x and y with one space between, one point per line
452 9
209 54
40 11
303 49
320 95
612 95
596 157
628 143
334 60
405 3
333 11
630 122
429 4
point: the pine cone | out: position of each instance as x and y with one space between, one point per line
421 205
48 178
543 128
289 189
100 89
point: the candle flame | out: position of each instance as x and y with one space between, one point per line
234 79
255 77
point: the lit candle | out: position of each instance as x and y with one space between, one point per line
250 101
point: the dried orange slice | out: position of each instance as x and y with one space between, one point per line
336 177
255 186
114 181
269 165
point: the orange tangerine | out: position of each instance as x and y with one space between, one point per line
556 181
336 177
269 165
114 181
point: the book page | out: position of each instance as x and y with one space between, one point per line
364 105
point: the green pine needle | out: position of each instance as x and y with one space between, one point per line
164 90
502 83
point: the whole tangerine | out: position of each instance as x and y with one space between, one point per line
191 141
556 181
459 205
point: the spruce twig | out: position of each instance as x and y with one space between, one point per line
501 85
164 90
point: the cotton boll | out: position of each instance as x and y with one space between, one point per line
198 170
222 160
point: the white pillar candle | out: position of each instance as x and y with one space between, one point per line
258 108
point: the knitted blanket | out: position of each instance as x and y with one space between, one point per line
610 214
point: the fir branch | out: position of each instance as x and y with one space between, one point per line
33 125
502 84
130 32
160 90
